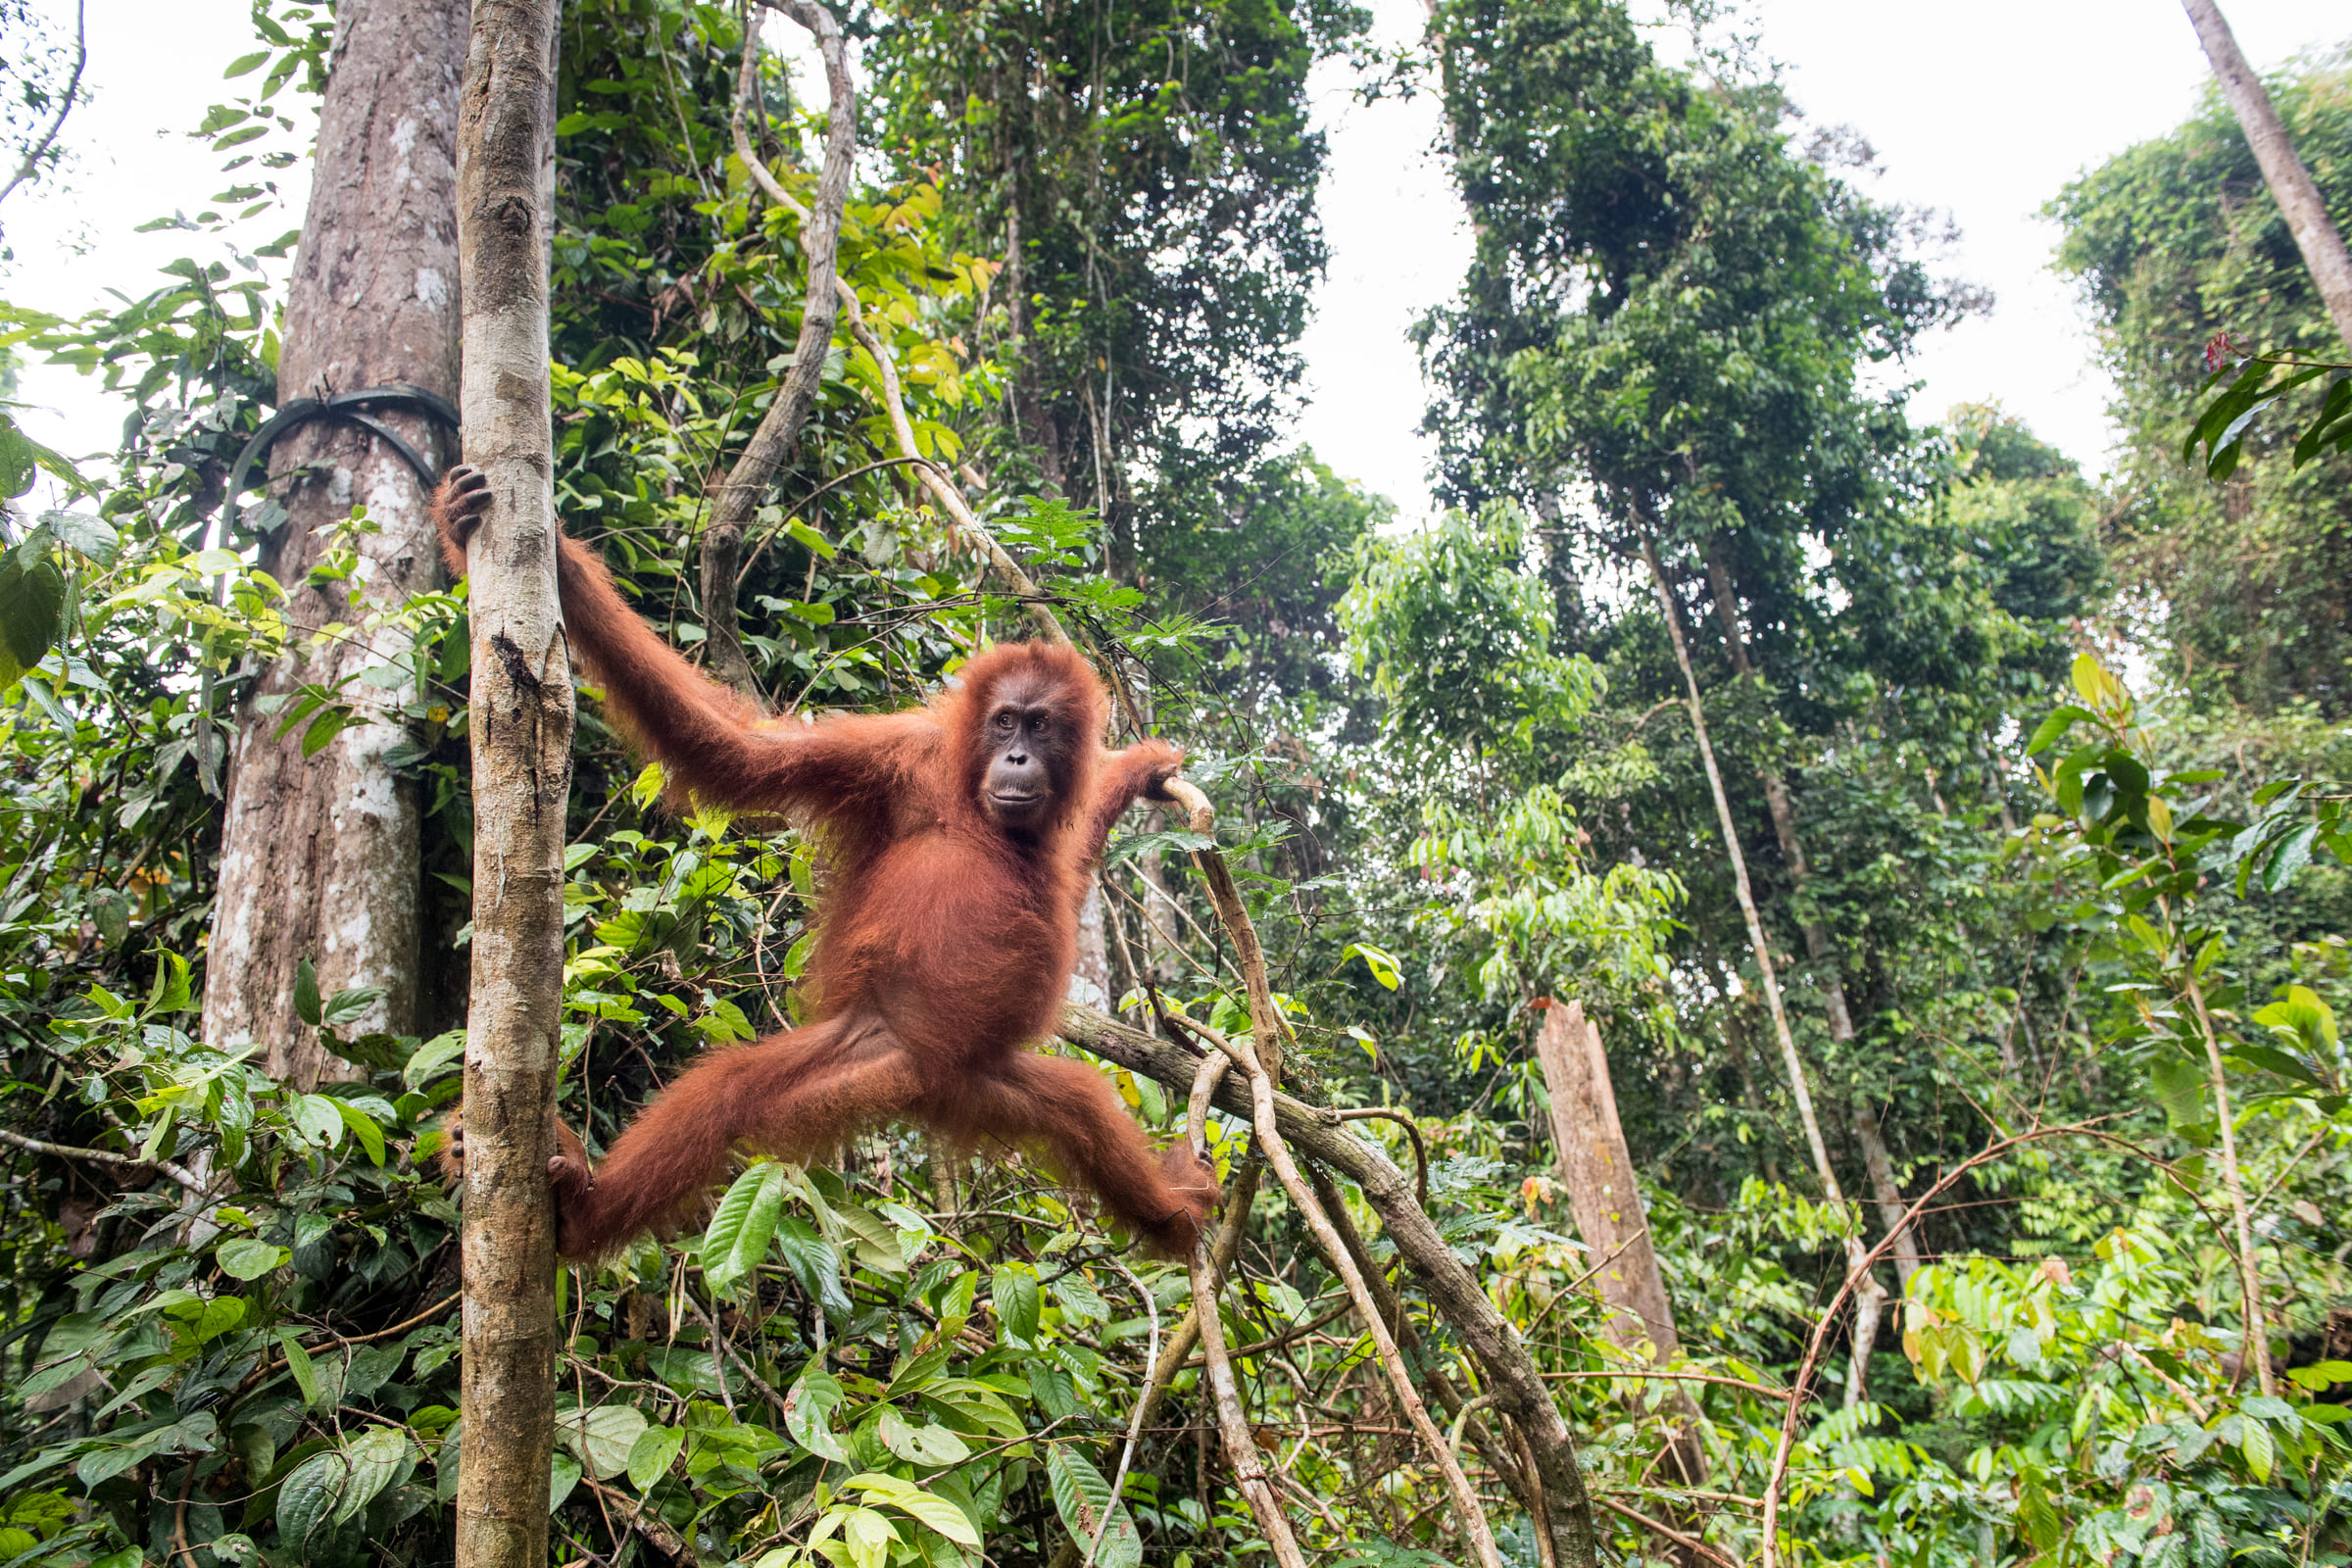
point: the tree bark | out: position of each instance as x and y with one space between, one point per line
319 857
1597 1169
1869 1295
2290 182
521 734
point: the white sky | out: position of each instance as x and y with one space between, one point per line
1983 112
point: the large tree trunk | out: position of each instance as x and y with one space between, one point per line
2290 182
319 857
521 735
1597 1169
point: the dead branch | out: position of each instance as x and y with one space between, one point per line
777 440
1510 1371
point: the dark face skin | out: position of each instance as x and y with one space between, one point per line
1027 754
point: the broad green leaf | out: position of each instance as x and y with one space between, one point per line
308 1497
362 1127
2179 1086
603 1438
1012 1288
245 1258
742 1225
306 993
299 1363
2255 1443
32 607
869 1536
652 1455
376 1456
925 1445
808 1411
562 1474
925 1509
1083 1499
1384 966
814 1262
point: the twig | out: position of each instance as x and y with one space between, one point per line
2179 1393
1414 1131
1689 1544
1135 1425
1757 1388
777 440
1509 1368
1241 1446
720 1341
105 1156
651 1527
1471 1517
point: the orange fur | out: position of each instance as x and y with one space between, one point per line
945 942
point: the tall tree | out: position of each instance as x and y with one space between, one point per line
2241 587
520 736
2290 182
320 853
1148 171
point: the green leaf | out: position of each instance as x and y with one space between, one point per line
2179 1086
346 1006
809 1408
604 1437
652 1453
245 63
245 1258
32 607
306 993
742 1225
432 1057
376 1456
1012 1288
814 1262
1384 967
298 1362
925 1509
308 1497
1083 1498
2291 855
2254 1441
2337 404
87 535
925 1445
562 1474
2052 729
364 1128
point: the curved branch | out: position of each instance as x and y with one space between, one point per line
1854 1274
777 439
30 169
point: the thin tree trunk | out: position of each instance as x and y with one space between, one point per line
2292 186
521 733
1878 1162
2257 1325
1869 1295
1597 1169
319 856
